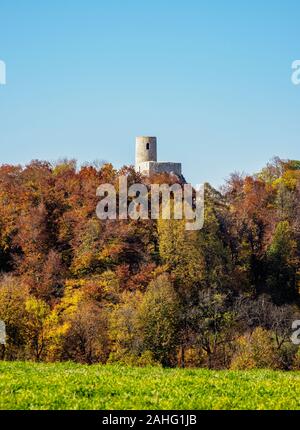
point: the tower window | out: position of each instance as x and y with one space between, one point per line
147 146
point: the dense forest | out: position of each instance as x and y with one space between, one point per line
149 292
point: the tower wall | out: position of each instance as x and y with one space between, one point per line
145 150
153 167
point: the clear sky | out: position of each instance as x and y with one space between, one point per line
211 79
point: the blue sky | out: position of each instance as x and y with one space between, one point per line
211 79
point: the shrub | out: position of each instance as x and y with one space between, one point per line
296 361
194 357
287 355
255 350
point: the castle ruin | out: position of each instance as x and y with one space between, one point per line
146 158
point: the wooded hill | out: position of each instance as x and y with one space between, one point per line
149 292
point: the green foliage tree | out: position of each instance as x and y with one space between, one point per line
212 324
281 265
159 317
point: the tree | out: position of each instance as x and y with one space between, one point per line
125 331
281 278
13 296
37 312
253 313
86 339
179 251
255 350
159 316
211 323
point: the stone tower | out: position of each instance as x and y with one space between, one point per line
146 158
145 150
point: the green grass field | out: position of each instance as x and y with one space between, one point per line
74 386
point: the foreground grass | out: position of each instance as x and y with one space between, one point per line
74 386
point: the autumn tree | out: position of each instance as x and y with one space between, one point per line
13 296
37 312
86 340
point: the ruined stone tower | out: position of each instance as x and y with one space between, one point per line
146 158
145 150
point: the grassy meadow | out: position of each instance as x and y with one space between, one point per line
73 386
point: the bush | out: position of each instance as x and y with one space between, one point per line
287 356
255 350
296 362
194 357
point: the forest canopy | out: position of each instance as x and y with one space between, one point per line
141 292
